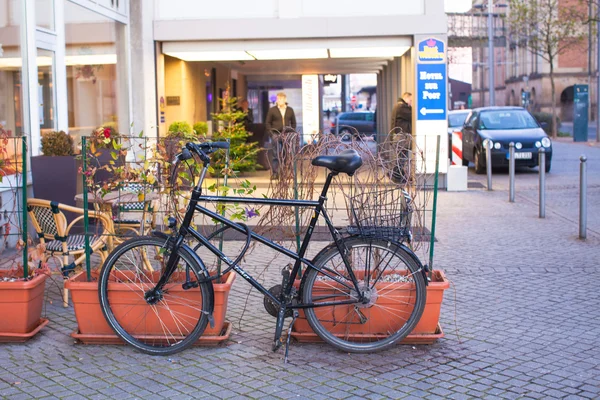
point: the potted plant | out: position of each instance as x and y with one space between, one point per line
243 154
104 152
22 286
201 128
427 331
92 326
55 172
21 301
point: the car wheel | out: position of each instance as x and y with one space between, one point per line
479 163
548 166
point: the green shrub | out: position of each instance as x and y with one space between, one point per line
547 118
180 127
242 154
201 128
57 144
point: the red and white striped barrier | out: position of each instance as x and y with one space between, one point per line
457 148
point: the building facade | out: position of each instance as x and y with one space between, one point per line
518 70
74 65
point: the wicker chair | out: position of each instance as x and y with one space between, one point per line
53 231
138 217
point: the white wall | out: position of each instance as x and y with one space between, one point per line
244 9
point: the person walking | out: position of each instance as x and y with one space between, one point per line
279 118
401 134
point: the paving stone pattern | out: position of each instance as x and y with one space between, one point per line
521 320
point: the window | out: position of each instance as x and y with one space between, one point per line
44 14
507 119
46 91
11 96
457 119
96 72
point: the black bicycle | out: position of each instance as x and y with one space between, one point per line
363 292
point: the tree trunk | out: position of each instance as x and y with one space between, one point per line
554 124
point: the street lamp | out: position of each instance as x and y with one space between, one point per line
491 65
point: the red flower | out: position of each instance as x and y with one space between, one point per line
107 132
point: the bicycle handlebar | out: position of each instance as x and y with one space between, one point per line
200 149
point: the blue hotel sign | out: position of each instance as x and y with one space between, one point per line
431 80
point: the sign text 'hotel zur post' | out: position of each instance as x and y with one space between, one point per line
431 80
431 101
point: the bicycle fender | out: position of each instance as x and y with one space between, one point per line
408 251
185 248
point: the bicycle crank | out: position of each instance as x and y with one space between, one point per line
271 307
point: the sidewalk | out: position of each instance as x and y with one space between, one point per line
521 318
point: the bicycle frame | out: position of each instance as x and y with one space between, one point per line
193 206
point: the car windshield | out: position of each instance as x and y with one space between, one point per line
457 119
506 119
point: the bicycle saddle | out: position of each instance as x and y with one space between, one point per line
348 161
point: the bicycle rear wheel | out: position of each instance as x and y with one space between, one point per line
394 289
170 320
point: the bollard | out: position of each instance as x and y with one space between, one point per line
511 172
542 165
488 163
583 197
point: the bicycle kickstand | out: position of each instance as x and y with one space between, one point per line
289 335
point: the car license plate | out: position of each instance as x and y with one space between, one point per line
521 156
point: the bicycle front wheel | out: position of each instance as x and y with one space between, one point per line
393 290
155 322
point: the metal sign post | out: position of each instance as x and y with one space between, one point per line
542 166
582 197
511 171
488 163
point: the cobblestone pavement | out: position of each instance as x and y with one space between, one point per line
521 320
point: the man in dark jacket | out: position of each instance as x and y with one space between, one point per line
279 118
401 133
402 115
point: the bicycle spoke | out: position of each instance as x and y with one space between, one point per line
155 321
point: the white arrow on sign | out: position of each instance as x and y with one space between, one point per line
425 111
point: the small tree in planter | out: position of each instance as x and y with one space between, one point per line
242 155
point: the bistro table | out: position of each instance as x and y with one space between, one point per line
132 210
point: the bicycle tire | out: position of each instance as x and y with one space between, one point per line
178 317
396 295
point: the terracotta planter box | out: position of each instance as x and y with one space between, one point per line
427 330
93 328
21 308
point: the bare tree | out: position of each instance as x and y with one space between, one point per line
548 29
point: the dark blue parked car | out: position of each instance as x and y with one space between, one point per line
502 125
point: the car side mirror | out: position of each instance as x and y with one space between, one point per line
544 125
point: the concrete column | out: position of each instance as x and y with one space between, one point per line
395 81
381 127
142 61
383 103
